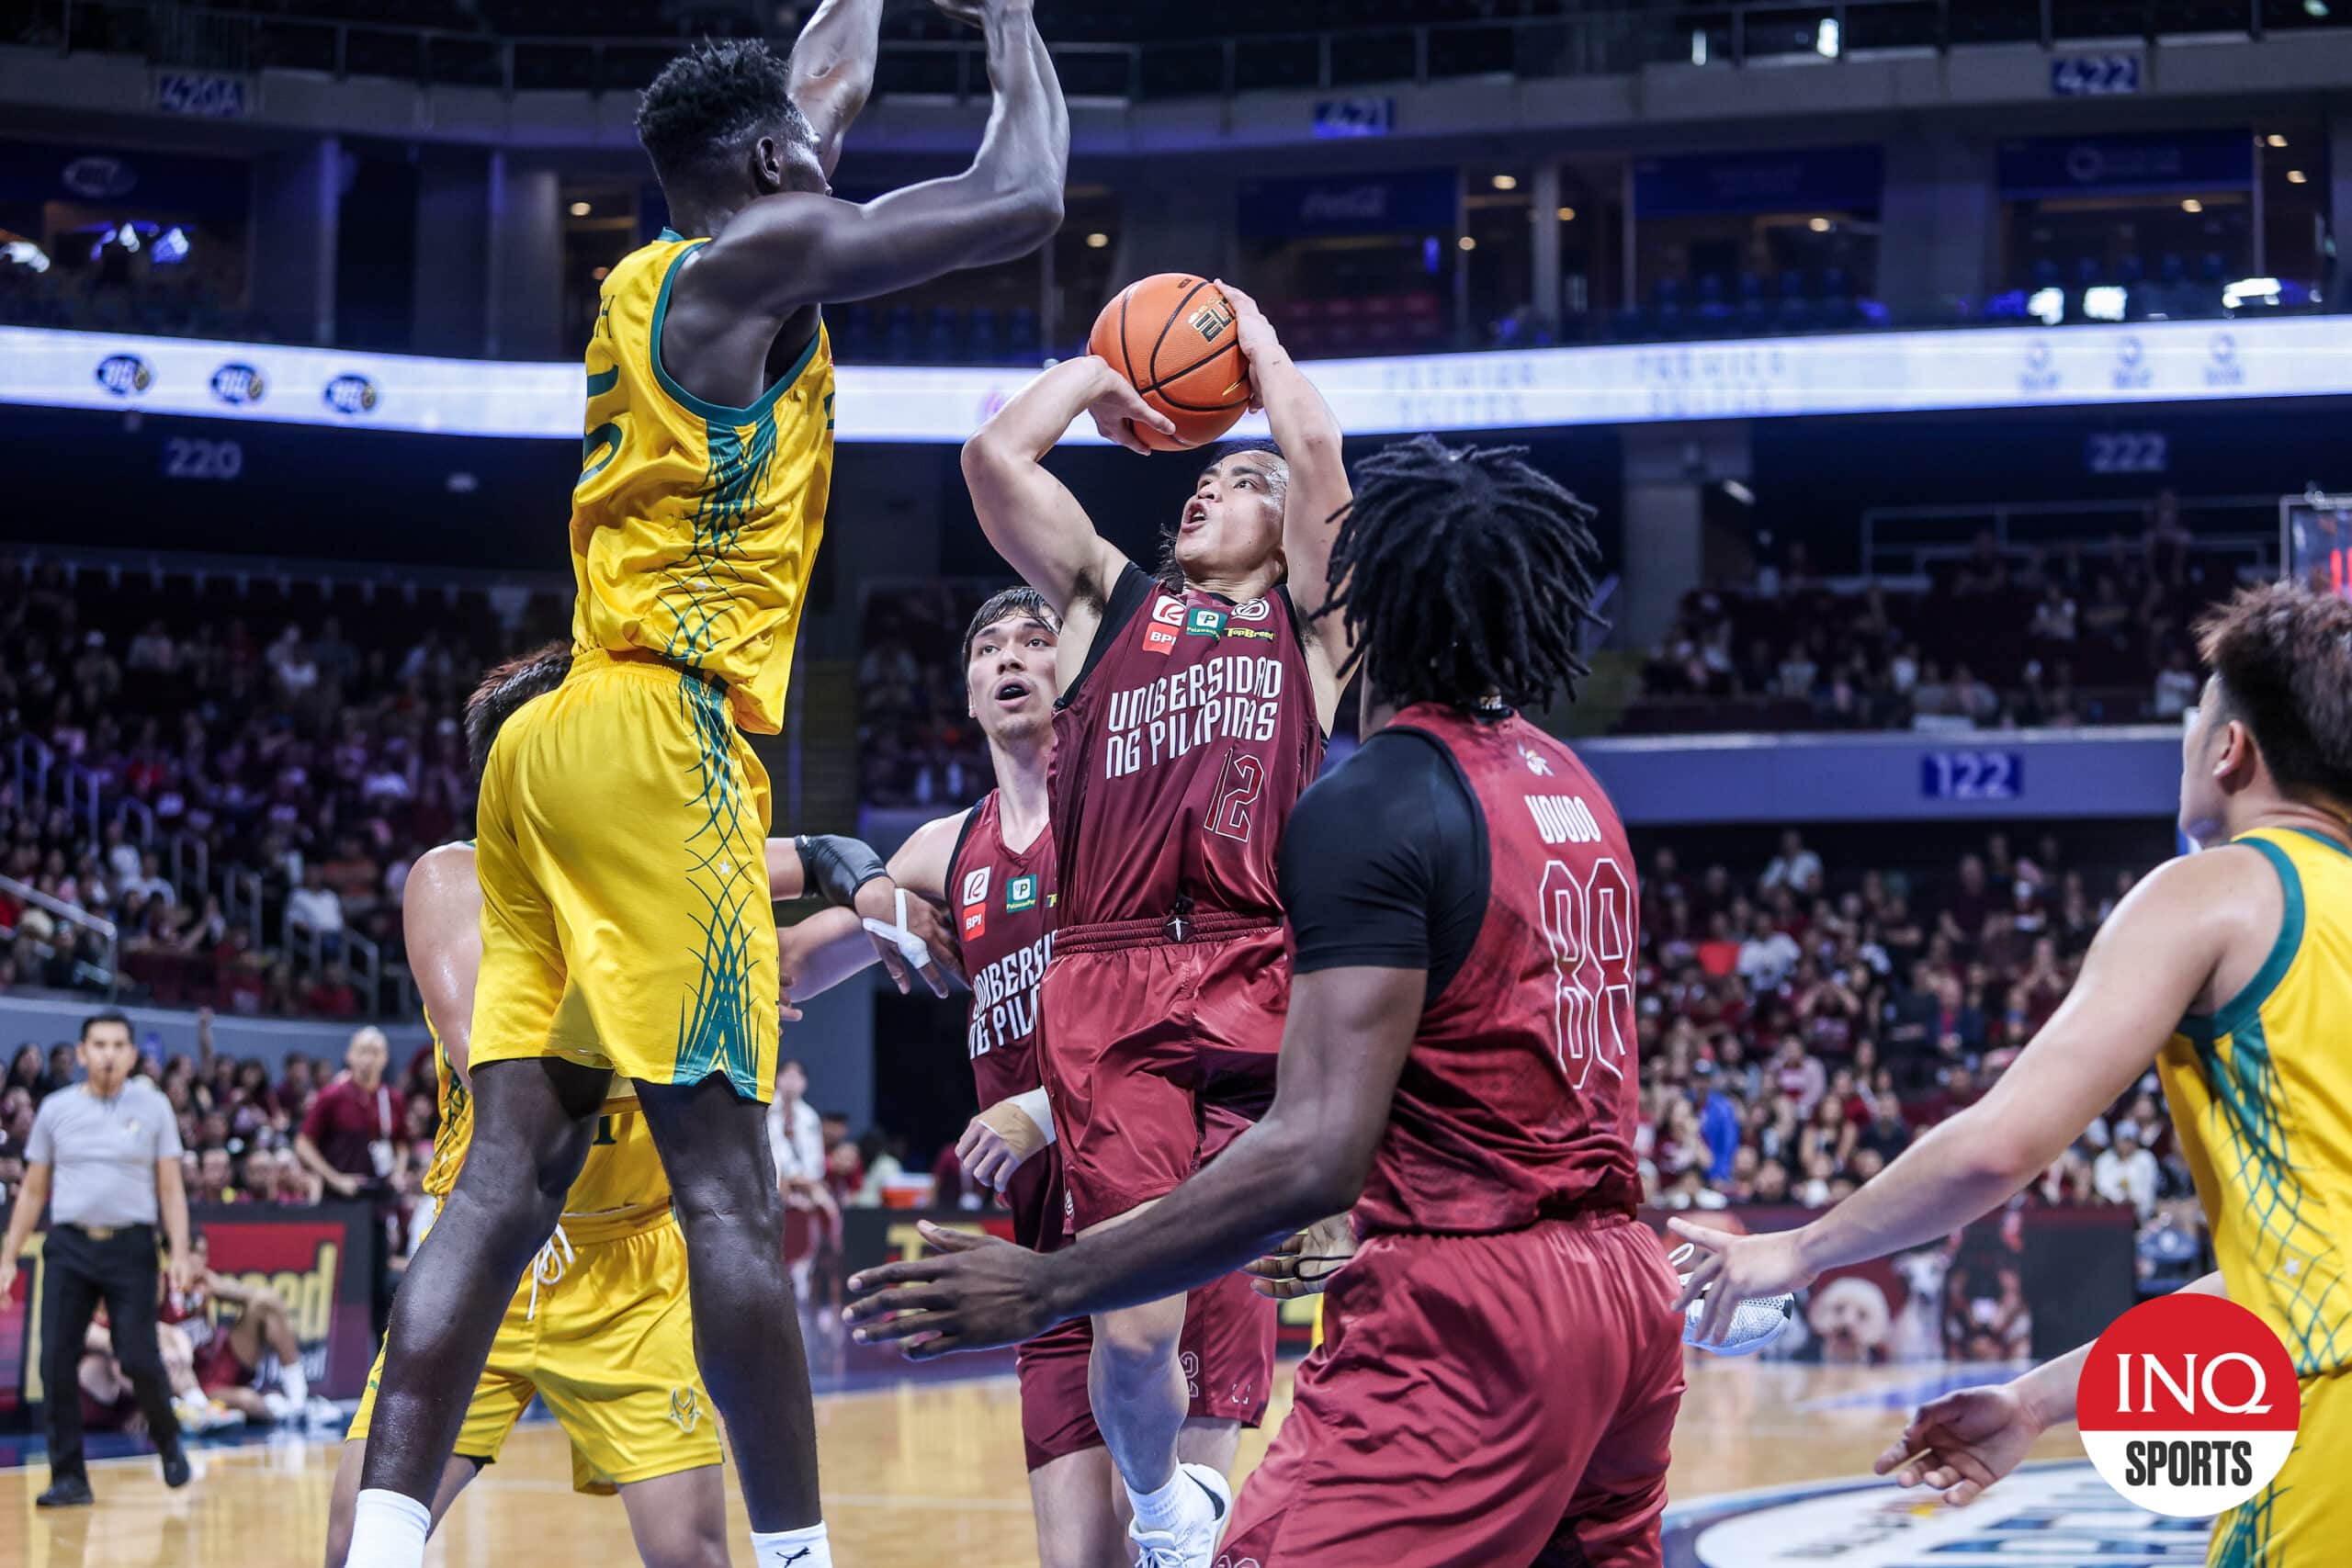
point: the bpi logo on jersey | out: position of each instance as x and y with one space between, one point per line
976 902
1021 893
1159 630
2188 1405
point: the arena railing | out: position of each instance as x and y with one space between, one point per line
33 897
2240 529
1599 42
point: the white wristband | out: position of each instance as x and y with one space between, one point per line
912 948
1038 1108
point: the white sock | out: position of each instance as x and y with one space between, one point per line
786 1549
293 1384
1163 1509
388 1530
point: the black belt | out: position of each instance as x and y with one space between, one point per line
105 1233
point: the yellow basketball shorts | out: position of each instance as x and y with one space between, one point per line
621 844
2304 1516
605 1337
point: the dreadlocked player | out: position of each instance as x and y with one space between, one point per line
1458 1067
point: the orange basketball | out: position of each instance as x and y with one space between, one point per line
1173 336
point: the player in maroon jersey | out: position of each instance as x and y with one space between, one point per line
1502 1361
992 867
1193 709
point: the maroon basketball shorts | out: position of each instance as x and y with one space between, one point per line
1140 1034
1474 1400
1226 1351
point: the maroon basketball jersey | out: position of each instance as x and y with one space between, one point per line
1003 905
1179 754
1518 1101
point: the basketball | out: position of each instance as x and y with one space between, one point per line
1171 335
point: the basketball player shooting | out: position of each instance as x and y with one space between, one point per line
625 923
2230 970
1193 709
602 1331
1502 1361
993 867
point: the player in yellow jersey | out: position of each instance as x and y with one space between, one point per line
626 932
2231 970
601 1328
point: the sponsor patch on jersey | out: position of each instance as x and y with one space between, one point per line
1202 621
1159 626
976 902
1254 610
1253 632
1021 893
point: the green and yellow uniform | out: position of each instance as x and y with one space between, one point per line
600 1327
622 815
2261 1100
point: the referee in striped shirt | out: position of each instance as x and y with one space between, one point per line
106 1155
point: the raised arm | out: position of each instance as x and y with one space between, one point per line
797 248
1031 517
1304 428
832 71
847 873
441 917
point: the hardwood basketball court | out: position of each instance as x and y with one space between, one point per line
920 1473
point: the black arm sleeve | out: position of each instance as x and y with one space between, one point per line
1383 865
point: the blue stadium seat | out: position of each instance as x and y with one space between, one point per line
1755 314
899 335
1021 336
1796 312
1714 313
981 346
939 337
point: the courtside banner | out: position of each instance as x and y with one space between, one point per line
1847 373
315 1259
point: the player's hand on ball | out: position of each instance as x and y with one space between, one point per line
1259 342
1117 408
1304 1265
1733 1267
1963 1442
999 1139
974 1293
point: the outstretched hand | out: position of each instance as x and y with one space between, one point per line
1304 1265
1963 1442
975 1292
1735 1268
909 937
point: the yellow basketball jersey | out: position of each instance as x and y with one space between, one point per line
2261 1100
694 525
621 1190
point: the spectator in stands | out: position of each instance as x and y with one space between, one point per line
2126 1173
351 1141
1796 868
314 909
2176 685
